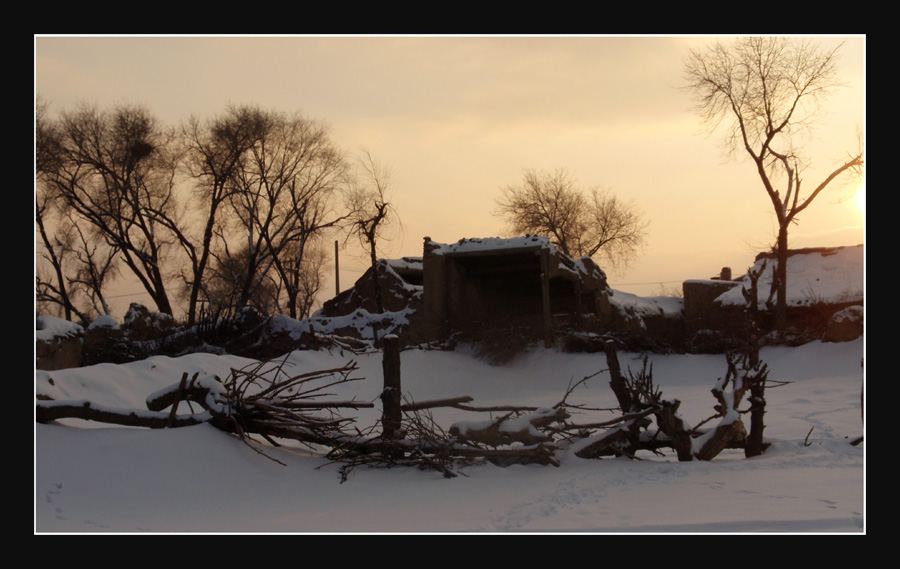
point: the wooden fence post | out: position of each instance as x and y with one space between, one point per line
390 396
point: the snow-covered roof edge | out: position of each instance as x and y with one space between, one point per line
583 267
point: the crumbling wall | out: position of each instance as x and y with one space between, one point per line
397 293
57 343
702 312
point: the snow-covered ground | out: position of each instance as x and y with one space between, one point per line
90 477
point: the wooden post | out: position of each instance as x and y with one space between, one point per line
337 270
390 396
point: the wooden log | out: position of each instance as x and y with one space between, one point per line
51 411
613 442
725 435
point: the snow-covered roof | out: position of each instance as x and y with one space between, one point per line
583 268
359 320
405 264
822 275
473 245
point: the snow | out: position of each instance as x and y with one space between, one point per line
98 478
104 321
360 321
478 244
831 276
665 306
49 327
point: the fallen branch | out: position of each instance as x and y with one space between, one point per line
47 411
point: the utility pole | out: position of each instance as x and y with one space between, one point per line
337 270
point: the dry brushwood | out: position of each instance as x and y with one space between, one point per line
640 400
261 399
426 445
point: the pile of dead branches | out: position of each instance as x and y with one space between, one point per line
259 400
519 435
650 422
265 403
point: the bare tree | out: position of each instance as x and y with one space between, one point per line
766 90
96 264
113 171
580 223
52 290
80 262
214 151
371 213
306 276
282 197
226 277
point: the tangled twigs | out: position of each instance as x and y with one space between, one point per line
261 399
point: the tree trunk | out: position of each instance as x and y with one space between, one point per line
376 282
616 379
781 279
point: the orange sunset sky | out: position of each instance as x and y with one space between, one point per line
458 118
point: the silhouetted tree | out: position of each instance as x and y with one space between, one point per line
370 212
213 151
114 172
307 276
81 262
224 281
766 90
580 223
52 290
282 197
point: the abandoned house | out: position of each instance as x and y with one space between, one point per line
478 284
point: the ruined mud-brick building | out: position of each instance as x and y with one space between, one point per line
480 284
401 288
475 285
822 281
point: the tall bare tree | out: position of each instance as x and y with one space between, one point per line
214 152
766 90
580 223
114 172
307 274
81 263
283 197
53 290
96 264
